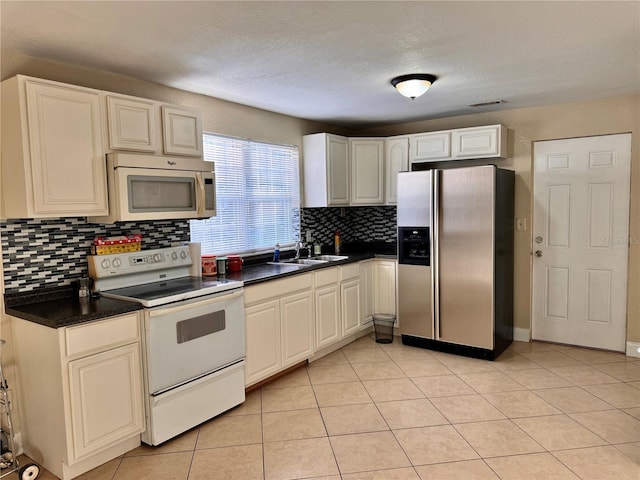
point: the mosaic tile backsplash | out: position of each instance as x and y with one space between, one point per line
40 253
354 224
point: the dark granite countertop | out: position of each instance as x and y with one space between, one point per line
60 307
57 307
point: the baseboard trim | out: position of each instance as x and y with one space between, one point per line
633 349
521 334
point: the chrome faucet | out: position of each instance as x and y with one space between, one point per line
299 245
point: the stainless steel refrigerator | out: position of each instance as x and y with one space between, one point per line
455 259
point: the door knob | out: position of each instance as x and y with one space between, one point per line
538 253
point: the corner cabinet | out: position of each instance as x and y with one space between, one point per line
326 170
367 171
52 151
464 143
81 392
397 160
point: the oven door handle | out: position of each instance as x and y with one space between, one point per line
222 298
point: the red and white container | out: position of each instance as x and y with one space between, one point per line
209 268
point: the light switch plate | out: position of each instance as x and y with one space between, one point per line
521 224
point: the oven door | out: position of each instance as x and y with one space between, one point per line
189 339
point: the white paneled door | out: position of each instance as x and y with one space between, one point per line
581 240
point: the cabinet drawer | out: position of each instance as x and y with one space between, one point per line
349 271
325 276
102 335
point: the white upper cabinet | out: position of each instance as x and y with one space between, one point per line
182 131
480 142
367 171
429 147
131 123
397 156
464 143
326 170
52 152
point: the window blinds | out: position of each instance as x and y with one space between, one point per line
258 196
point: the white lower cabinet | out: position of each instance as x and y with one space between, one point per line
280 325
350 298
263 340
384 286
378 278
105 392
81 392
290 319
296 317
350 306
327 307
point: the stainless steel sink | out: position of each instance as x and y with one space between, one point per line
306 261
330 258
299 262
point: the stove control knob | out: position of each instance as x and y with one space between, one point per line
105 264
174 256
157 257
117 262
183 254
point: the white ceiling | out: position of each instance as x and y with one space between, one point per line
332 61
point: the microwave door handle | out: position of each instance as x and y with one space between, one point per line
200 195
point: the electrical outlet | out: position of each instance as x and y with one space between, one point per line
308 239
521 224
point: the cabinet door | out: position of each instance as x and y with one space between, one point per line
327 306
106 399
131 124
397 160
67 157
181 131
480 142
338 174
367 171
430 147
350 306
366 284
297 330
263 340
384 280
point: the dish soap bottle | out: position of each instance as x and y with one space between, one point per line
276 253
336 241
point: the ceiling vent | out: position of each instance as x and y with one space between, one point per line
486 104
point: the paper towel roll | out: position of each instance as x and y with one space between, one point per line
196 267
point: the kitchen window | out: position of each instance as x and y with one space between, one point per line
258 196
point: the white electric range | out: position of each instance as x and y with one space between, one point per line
194 335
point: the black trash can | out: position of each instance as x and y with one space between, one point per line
383 326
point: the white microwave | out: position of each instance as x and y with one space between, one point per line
147 187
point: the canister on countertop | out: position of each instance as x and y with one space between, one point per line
221 264
234 263
209 267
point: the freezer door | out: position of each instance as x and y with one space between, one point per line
414 199
415 311
464 251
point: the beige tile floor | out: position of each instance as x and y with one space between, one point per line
373 411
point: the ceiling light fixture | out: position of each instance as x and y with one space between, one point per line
413 85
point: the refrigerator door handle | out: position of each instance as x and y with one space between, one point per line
435 269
